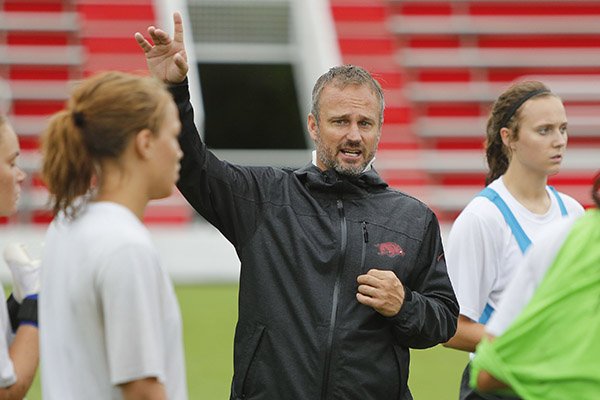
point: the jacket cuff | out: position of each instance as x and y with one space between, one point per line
180 91
405 313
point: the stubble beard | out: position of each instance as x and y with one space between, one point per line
327 156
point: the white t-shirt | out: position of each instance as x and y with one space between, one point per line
538 258
7 370
108 309
482 253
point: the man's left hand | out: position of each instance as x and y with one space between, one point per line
382 291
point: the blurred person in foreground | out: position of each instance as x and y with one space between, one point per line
340 275
19 350
112 322
526 142
543 340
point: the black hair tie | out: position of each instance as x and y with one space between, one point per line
78 119
519 103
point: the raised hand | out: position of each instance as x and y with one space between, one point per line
382 291
166 59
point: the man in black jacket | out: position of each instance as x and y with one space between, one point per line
340 275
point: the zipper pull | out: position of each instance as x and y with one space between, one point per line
365 233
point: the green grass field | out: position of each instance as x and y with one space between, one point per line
209 315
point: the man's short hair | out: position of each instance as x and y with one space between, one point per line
343 76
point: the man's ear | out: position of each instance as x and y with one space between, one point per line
313 126
144 143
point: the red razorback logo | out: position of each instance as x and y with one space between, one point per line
389 249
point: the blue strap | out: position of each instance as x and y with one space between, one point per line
522 239
487 313
561 204
518 232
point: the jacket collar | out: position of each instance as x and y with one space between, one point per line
333 182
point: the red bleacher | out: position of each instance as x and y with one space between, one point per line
46 46
451 59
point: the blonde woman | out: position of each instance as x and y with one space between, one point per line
113 326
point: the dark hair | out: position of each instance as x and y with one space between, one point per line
103 114
506 113
342 76
596 190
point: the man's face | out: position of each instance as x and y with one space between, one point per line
348 130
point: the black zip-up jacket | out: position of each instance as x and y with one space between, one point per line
303 237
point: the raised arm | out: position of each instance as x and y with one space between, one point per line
224 194
166 57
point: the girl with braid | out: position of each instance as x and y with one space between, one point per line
112 322
525 144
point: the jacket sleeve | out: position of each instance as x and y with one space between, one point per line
226 195
429 314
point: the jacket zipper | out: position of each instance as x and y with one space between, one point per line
336 294
364 247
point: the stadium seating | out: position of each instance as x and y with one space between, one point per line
440 62
45 47
450 59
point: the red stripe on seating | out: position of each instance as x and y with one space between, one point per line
112 45
117 11
460 179
383 145
389 80
507 75
444 75
366 46
32 107
29 142
358 13
432 41
582 141
408 178
37 39
452 109
41 72
36 181
41 217
397 115
539 41
535 8
566 179
458 143
423 8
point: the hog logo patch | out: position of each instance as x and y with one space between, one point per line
389 249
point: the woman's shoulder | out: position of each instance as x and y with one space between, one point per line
573 207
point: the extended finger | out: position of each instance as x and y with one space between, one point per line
144 44
160 37
178 27
181 63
